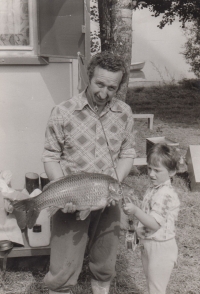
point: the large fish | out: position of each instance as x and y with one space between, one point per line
88 191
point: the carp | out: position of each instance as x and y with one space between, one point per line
88 191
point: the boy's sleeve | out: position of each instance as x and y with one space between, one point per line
54 137
161 206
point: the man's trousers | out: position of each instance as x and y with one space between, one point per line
68 245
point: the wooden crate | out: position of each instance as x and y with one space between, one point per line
193 164
140 161
145 116
151 141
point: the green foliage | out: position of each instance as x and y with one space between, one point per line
192 47
185 10
188 12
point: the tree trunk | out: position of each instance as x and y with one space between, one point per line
116 32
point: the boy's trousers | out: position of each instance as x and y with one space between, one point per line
158 259
68 246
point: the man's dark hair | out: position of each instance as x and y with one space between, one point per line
108 61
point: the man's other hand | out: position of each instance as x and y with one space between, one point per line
69 208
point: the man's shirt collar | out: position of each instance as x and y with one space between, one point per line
83 101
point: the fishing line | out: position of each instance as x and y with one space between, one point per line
85 78
131 239
113 164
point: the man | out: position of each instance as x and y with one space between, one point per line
78 134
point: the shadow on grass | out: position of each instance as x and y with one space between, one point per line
25 275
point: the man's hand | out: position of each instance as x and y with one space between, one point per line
8 205
69 208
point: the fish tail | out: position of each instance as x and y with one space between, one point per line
31 217
20 218
23 205
29 206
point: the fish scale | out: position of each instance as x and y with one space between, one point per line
87 195
87 191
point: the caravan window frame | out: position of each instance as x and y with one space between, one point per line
24 54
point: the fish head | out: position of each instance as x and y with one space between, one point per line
129 195
118 192
114 192
127 190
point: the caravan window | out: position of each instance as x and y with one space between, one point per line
14 24
18 32
33 32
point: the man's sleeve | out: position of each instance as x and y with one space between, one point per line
127 148
54 137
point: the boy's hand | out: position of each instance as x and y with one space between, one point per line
69 208
113 202
129 208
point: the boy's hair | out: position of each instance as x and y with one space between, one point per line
109 61
162 153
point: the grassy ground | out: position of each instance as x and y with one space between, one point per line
176 109
178 104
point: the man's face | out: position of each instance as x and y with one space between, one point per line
104 85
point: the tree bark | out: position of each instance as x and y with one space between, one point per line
116 32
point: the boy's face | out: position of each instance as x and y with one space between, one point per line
159 174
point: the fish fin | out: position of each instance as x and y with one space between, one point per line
47 186
52 210
83 214
53 181
78 172
23 205
57 180
31 217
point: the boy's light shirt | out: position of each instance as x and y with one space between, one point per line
162 203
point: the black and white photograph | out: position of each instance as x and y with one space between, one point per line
99 146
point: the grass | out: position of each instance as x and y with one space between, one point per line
176 109
178 103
